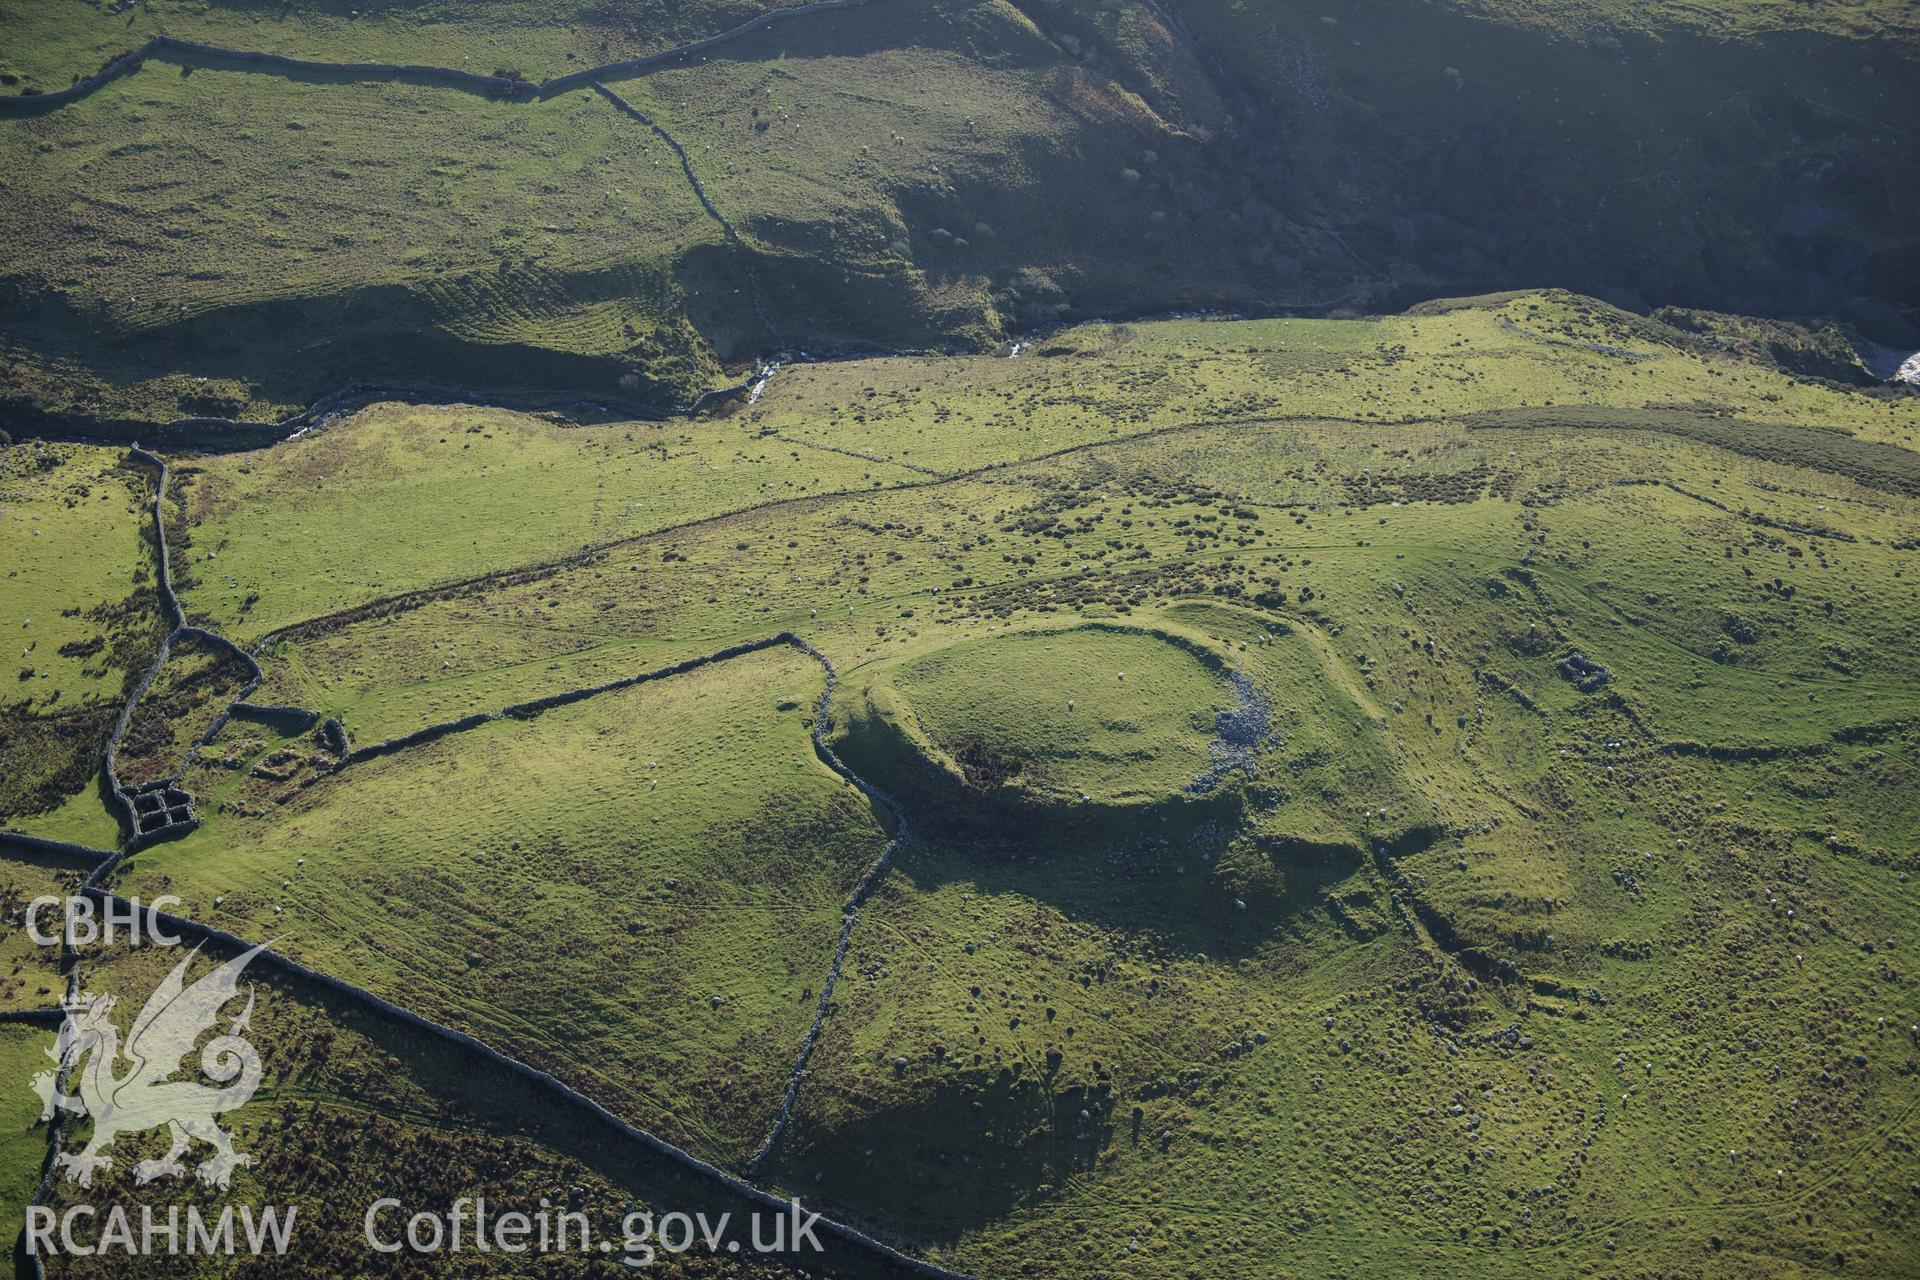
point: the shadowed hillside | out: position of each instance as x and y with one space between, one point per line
197 234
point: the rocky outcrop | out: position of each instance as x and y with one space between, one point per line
1586 674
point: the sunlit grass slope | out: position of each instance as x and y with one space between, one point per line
638 891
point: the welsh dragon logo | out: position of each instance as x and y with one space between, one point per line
142 1095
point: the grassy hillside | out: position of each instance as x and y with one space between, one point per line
639 893
1111 639
210 237
1723 155
1496 853
1089 714
29 973
23 1149
75 540
354 1106
455 493
59 39
234 206
72 530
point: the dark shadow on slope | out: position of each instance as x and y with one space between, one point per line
294 351
971 1151
1177 870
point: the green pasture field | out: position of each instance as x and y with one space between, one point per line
1095 383
1469 959
452 493
1103 385
556 245
77 586
197 238
539 39
24 1053
661 957
29 973
56 40
71 538
82 817
1755 634
1497 859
